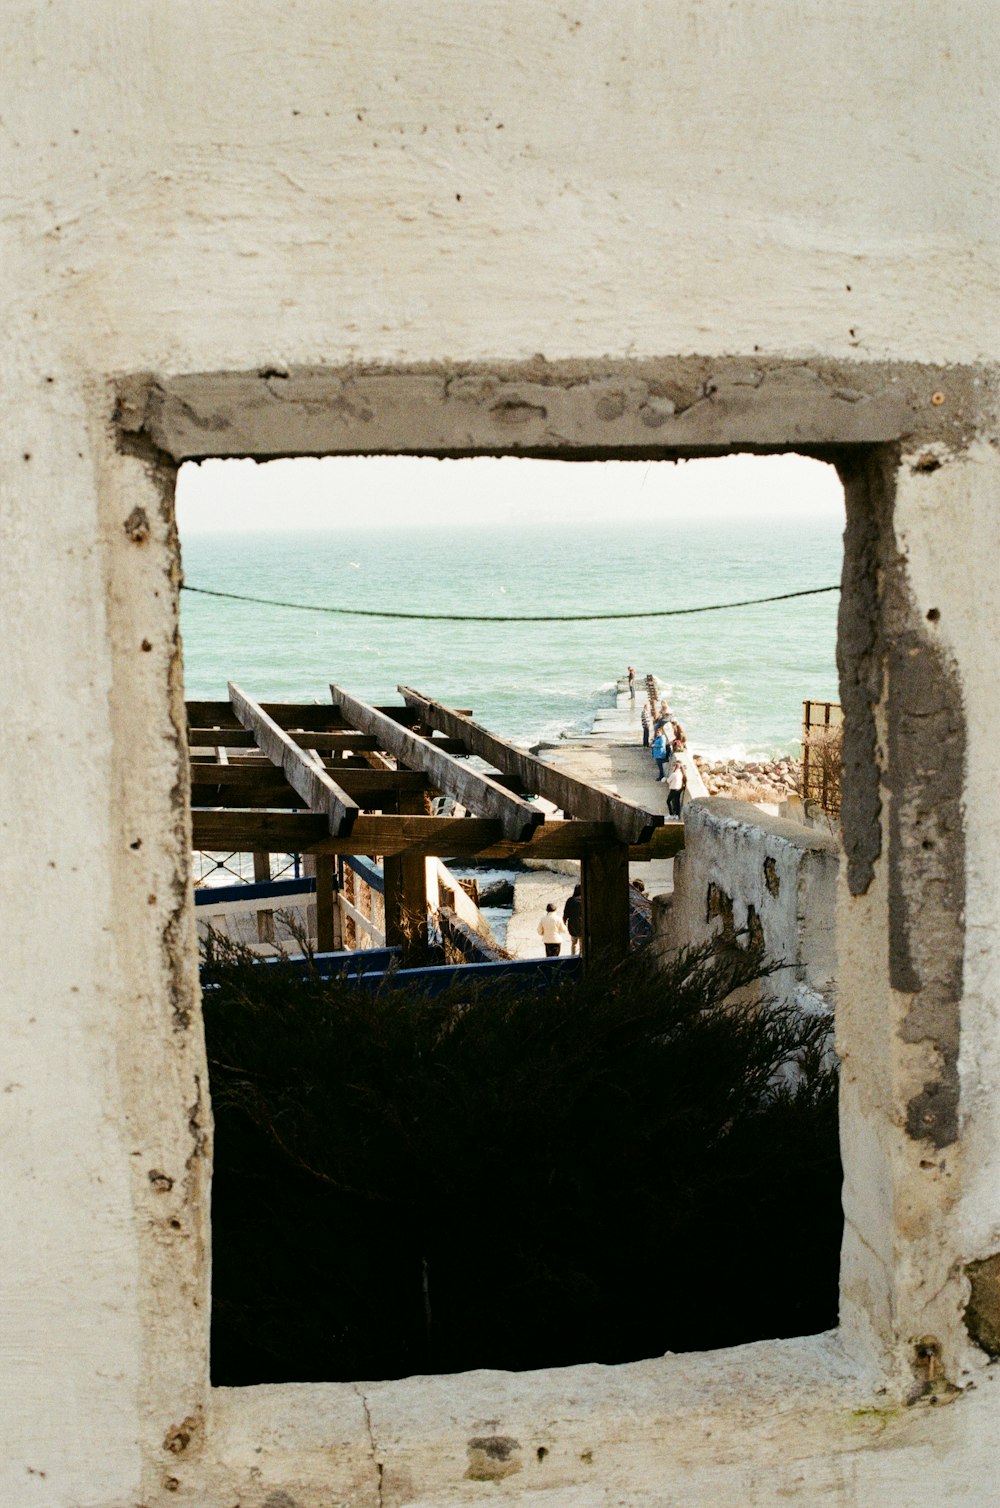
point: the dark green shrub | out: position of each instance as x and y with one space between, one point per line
606 1171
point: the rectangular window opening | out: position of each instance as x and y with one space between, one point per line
593 1163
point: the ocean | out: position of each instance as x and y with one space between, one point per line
736 679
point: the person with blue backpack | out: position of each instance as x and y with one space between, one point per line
660 750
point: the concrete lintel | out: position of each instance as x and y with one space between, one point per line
575 410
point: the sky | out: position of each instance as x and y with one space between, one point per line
395 492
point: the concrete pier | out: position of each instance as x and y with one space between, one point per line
610 755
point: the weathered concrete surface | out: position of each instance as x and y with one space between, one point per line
887 647
452 190
695 405
781 1421
744 871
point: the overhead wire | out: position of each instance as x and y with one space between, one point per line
364 612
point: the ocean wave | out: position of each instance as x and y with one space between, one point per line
747 753
558 727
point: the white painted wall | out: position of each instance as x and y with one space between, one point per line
221 186
736 847
196 179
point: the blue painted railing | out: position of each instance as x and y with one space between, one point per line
265 890
373 967
217 895
365 870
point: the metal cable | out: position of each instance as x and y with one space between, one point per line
360 612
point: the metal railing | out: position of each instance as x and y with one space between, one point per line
822 742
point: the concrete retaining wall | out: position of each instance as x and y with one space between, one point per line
745 871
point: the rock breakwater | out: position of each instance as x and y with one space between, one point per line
751 780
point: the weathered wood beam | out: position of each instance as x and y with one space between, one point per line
315 717
665 843
304 832
443 837
631 822
262 785
237 799
314 785
239 738
478 792
261 772
253 759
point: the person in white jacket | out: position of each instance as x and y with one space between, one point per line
552 929
676 781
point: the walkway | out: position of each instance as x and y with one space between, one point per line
610 756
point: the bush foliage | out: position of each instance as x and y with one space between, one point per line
605 1171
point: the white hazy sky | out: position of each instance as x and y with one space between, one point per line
399 491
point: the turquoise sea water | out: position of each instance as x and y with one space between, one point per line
736 679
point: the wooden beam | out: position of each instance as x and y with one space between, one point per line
604 892
305 832
444 837
665 843
479 793
261 784
312 716
281 798
631 822
315 787
262 775
239 738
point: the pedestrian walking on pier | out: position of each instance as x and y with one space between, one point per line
661 753
552 930
676 781
644 719
573 917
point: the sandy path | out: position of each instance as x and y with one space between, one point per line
532 892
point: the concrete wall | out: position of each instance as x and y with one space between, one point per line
745 871
804 194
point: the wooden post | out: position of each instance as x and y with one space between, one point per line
323 919
406 893
604 892
328 931
265 919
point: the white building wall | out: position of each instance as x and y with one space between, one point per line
756 868
201 187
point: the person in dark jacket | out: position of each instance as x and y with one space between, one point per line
644 719
573 917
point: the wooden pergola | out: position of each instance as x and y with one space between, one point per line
347 778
